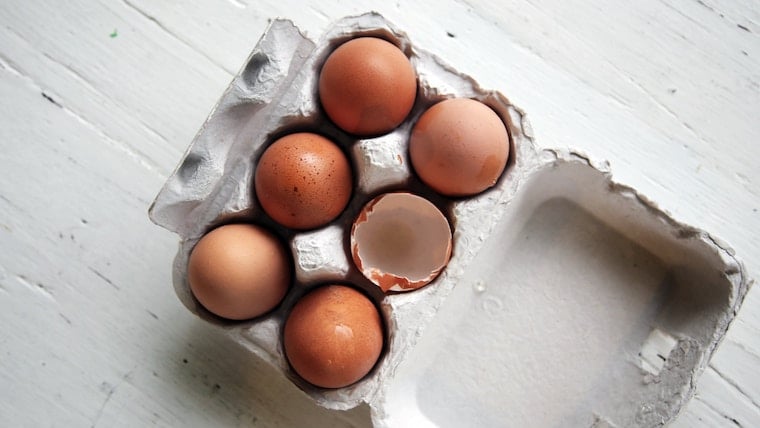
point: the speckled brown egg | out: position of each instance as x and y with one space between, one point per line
367 86
239 271
303 181
459 147
333 336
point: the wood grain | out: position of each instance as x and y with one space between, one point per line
99 99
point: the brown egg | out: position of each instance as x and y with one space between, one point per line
333 336
239 271
459 147
367 86
303 181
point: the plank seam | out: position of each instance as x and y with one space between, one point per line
136 155
158 23
735 386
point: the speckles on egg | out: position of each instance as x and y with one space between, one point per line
303 181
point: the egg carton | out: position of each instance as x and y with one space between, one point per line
569 299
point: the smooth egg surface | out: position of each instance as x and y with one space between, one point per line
367 86
303 181
333 336
239 271
459 147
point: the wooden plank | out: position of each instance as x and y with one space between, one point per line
684 72
724 399
700 414
738 366
93 123
94 334
127 86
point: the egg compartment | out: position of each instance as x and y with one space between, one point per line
275 92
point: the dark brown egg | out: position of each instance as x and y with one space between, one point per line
303 181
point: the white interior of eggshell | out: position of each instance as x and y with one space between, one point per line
400 241
547 305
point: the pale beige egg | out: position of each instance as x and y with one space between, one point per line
459 147
239 271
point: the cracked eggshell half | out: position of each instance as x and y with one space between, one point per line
400 241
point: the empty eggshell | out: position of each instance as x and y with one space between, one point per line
400 241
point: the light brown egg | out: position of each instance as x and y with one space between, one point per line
239 271
400 241
303 181
459 147
367 86
333 336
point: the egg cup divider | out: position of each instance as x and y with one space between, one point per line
562 281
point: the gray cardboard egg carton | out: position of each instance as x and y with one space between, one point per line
564 287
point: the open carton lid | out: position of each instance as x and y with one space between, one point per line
586 306
569 299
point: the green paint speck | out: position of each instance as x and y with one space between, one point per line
114 34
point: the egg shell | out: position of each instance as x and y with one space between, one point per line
523 280
303 180
333 336
400 241
367 86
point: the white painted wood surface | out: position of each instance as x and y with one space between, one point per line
98 100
